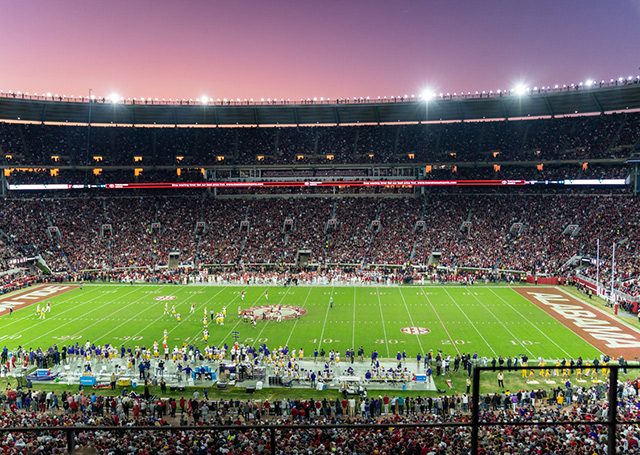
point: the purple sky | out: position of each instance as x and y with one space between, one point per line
301 48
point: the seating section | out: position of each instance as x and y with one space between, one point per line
522 232
572 138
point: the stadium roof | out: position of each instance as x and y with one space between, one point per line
540 103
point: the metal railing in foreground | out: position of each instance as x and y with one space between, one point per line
471 424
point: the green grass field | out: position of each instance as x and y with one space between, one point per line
488 320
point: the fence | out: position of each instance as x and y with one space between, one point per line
473 425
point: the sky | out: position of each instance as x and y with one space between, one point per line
305 49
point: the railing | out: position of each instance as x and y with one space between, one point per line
473 424
205 101
612 405
604 289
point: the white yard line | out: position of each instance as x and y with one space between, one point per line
353 338
236 324
453 343
384 329
58 327
267 323
411 320
184 319
472 324
532 324
198 308
108 316
29 313
296 323
503 325
325 320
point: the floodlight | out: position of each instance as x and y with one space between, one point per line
204 100
113 98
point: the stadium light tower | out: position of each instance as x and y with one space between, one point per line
520 90
114 98
427 94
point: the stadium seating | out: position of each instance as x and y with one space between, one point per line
569 138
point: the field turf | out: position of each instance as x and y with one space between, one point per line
491 321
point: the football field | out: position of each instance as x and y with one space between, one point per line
491 321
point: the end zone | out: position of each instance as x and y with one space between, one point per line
599 329
33 295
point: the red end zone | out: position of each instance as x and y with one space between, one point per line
33 295
604 332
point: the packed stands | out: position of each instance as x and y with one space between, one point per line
302 423
608 136
521 232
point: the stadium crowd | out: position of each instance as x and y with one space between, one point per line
32 409
529 233
568 138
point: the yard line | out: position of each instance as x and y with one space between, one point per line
117 311
472 324
267 323
74 319
384 329
29 314
236 324
186 317
239 320
353 338
325 319
177 289
535 326
67 323
296 323
453 343
503 325
411 319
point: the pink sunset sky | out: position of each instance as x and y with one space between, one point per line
299 49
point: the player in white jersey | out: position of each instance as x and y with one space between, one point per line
48 307
242 295
193 308
166 308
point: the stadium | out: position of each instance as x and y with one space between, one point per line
326 256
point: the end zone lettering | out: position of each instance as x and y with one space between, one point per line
595 325
33 296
